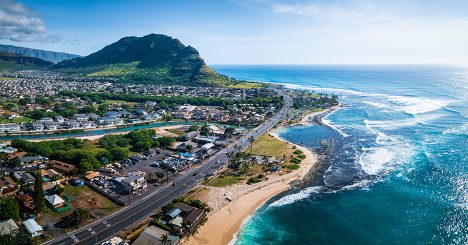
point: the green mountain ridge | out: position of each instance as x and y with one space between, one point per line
15 61
46 55
154 58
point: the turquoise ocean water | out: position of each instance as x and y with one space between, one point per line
398 172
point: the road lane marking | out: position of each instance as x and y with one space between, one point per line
73 237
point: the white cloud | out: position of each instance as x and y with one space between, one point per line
20 24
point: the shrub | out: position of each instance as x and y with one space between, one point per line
293 166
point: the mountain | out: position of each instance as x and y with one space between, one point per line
50 56
154 58
15 61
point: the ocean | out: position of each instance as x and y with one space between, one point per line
397 169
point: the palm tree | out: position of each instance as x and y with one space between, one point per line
165 240
251 140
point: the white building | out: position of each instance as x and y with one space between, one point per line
33 228
10 127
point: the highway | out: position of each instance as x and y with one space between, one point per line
107 227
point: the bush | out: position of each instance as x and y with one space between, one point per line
301 156
297 152
296 161
293 167
253 180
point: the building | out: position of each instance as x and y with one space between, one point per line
90 175
33 228
115 241
25 178
153 235
185 218
8 227
7 185
9 127
132 183
26 203
62 167
55 201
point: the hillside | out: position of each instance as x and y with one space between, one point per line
153 58
50 56
15 61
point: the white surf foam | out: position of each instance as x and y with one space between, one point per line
303 194
328 122
414 105
395 124
463 130
376 104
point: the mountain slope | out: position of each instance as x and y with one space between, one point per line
15 61
153 58
50 56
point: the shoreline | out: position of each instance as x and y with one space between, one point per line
227 218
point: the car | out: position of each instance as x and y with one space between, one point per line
173 183
195 174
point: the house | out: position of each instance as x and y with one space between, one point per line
55 201
207 146
8 150
33 228
26 202
72 124
7 185
191 135
33 160
62 167
51 126
25 178
115 241
17 154
80 117
37 126
192 216
45 119
60 119
9 127
215 130
8 227
153 235
90 175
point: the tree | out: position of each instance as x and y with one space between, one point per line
15 162
228 132
118 153
9 209
39 199
165 240
246 168
193 127
251 140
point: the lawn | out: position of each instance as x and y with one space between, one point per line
246 85
6 78
84 197
177 131
268 145
225 181
16 120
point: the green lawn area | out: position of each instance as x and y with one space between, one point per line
93 148
225 181
270 146
16 120
246 85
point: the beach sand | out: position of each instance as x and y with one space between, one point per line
227 217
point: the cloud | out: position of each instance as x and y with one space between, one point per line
20 24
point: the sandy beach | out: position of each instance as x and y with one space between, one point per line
227 217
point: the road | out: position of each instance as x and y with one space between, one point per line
107 227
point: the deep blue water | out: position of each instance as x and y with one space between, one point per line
399 170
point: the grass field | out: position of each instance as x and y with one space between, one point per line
246 85
16 120
225 181
270 146
6 78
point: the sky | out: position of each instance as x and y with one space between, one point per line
252 31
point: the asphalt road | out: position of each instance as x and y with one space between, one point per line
107 227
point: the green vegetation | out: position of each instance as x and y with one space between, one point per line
293 166
9 209
150 59
171 101
253 180
297 152
224 181
268 145
39 199
246 85
16 120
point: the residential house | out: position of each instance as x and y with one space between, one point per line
8 227
33 228
185 218
55 201
7 185
8 150
26 203
132 183
62 167
37 126
9 127
153 235
60 119
25 178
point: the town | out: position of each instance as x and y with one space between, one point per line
61 183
